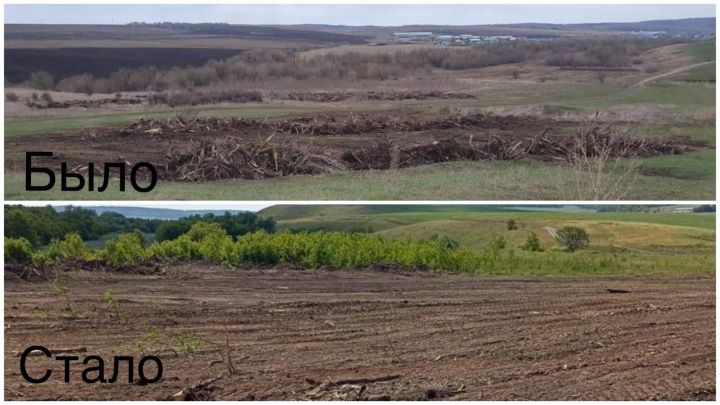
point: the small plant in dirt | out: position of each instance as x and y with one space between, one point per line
18 250
189 344
572 238
111 302
511 225
46 97
11 96
61 289
154 341
532 244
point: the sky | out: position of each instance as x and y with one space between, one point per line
346 14
213 206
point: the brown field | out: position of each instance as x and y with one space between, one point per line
372 334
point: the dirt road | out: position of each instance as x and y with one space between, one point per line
374 335
670 73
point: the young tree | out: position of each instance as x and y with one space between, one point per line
572 238
532 244
18 250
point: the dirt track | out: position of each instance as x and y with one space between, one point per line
670 73
429 336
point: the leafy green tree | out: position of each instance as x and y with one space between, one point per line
572 238
70 247
127 249
18 250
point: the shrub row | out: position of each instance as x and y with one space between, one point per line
276 64
210 242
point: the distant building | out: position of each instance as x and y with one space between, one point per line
413 37
446 39
650 34
681 210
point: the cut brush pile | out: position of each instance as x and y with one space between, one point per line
233 158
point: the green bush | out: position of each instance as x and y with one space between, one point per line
126 249
511 225
497 243
72 246
572 238
532 244
18 250
445 241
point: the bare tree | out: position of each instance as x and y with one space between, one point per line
603 157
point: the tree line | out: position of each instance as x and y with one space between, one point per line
41 225
279 64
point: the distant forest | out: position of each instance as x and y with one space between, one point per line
41 225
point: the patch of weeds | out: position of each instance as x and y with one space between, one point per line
111 302
189 344
154 341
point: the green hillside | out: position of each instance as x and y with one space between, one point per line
475 226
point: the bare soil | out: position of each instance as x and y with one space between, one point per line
372 334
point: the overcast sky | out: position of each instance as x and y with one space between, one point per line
349 14
212 206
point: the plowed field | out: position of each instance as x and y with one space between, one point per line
371 334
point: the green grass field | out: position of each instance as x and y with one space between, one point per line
702 51
663 178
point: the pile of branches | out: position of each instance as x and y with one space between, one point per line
48 271
384 155
233 159
353 124
85 103
326 97
599 143
599 140
367 124
179 98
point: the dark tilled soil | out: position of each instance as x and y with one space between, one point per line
364 334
